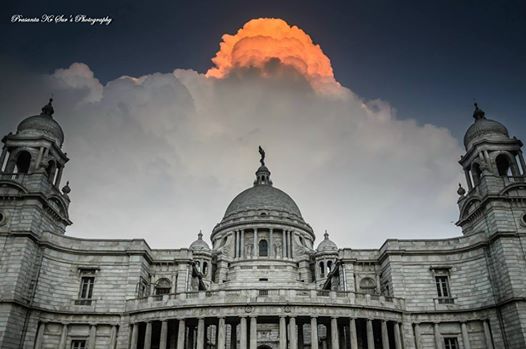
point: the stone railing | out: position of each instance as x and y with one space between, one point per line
265 296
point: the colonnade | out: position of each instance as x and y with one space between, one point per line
285 251
241 333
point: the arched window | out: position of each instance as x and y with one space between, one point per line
322 269
205 268
503 165
163 286
368 285
329 266
475 170
23 161
263 248
198 265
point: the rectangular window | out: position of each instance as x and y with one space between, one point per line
451 342
86 287
442 283
78 344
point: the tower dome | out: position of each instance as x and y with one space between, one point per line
484 128
327 245
42 124
199 244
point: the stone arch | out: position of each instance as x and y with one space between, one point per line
368 285
23 161
163 286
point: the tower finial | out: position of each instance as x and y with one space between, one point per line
262 153
48 108
478 113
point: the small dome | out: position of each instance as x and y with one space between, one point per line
199 244
42 124
484 128
327 245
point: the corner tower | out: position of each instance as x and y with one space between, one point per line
493 211
31 167
495 200
31 205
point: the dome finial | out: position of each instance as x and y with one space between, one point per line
263 173
200 235
262 153
48 108
478 113
326 235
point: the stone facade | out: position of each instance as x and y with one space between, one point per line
263 283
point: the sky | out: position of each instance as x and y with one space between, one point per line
158 148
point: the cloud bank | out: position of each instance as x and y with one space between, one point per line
160 156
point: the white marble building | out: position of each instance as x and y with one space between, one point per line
264 282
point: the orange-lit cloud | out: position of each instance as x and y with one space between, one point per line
265 39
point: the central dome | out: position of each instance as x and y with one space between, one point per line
263 197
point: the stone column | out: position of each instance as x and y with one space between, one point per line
163 341
40 336
242 247
255 249
93 336
181 334
293 334
282 333
335 342
418 337
63 337
148 335
465 336
253 333
243 334
385 335
370 334
233 336
135 336
113 337
354 336
4 153
397 335
521 159
438 339
291 244
313 333
236 243
200 334
468 180
271 244
221 335
487 334
284 248
59 176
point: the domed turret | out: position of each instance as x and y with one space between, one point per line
199 244
42 125
484 128
327 245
